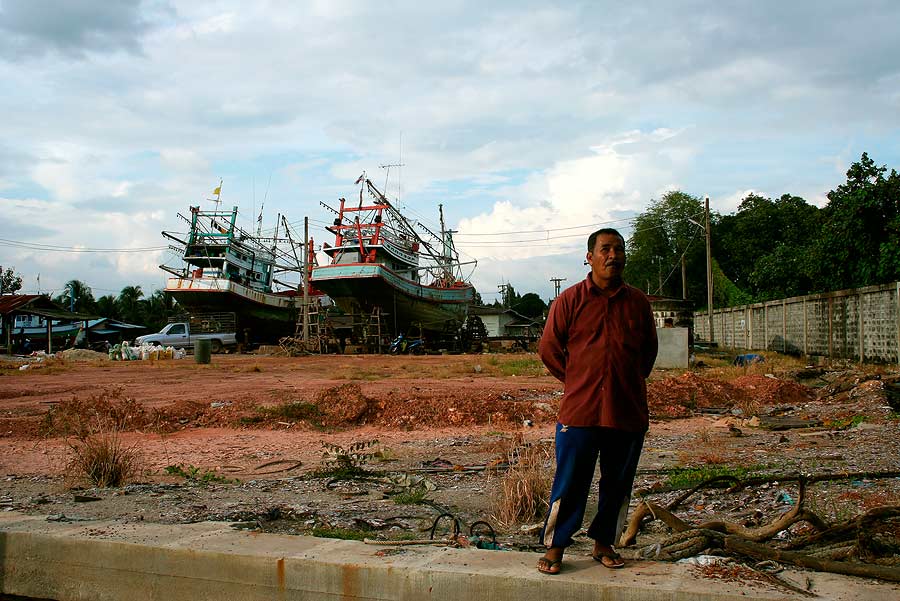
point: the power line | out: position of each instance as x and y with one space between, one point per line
75 249
558 229
516 243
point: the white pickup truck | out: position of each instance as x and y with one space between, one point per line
183 334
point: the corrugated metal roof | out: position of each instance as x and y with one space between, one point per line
36 304
11 302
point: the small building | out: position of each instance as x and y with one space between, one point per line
506 323
112 330
52 323
672 312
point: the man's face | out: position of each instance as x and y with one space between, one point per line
607 260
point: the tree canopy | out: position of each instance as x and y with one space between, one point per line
859 240
10 281
670 228
77 296
773 248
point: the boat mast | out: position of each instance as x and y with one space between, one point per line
218 194
445 251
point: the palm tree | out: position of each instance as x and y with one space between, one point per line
77 296
156 310
106 306
129 304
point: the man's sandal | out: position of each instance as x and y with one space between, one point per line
612 560
549 566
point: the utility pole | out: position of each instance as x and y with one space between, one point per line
504 294
305 283
683 277
556 282
659 290
709 280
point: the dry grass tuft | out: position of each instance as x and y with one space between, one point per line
107 411
713 458
522 493
94 427
774 363
103 459
702 436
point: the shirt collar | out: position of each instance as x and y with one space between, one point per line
595 290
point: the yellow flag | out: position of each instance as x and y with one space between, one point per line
218 190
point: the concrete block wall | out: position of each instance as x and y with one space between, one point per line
817 327
861 324
881 325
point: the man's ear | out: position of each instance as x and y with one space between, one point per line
588 258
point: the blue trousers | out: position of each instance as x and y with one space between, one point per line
577 452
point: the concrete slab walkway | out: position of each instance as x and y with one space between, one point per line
106 560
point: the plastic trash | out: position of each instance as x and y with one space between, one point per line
704 560
784 497
748 359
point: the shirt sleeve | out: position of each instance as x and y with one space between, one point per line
552 348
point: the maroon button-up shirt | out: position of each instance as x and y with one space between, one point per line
602 348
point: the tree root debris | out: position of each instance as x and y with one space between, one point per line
867 545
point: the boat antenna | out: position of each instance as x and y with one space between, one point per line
261 207
387 173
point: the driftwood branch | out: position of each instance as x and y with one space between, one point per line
750 549
797 514
847 529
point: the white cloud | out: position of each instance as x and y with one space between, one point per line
183 160
576 193
730 202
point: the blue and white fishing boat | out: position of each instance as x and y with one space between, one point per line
227 269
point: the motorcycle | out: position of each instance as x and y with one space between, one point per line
403 345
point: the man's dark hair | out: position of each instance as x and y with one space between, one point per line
592 239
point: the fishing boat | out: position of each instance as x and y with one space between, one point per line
227 269
385 263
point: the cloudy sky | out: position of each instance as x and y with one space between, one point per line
531 122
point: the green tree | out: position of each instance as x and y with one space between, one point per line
764 247
530 305
10 281
77 296
859 243
661 235
156 310
129 305
106 306
509 297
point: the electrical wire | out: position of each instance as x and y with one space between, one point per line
74 249
677 263
558 229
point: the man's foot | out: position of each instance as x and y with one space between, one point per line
607 556
551 562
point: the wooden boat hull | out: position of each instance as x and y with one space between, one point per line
405 305
267 316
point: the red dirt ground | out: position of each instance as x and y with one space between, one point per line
239 408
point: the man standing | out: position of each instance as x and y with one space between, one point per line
600 341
